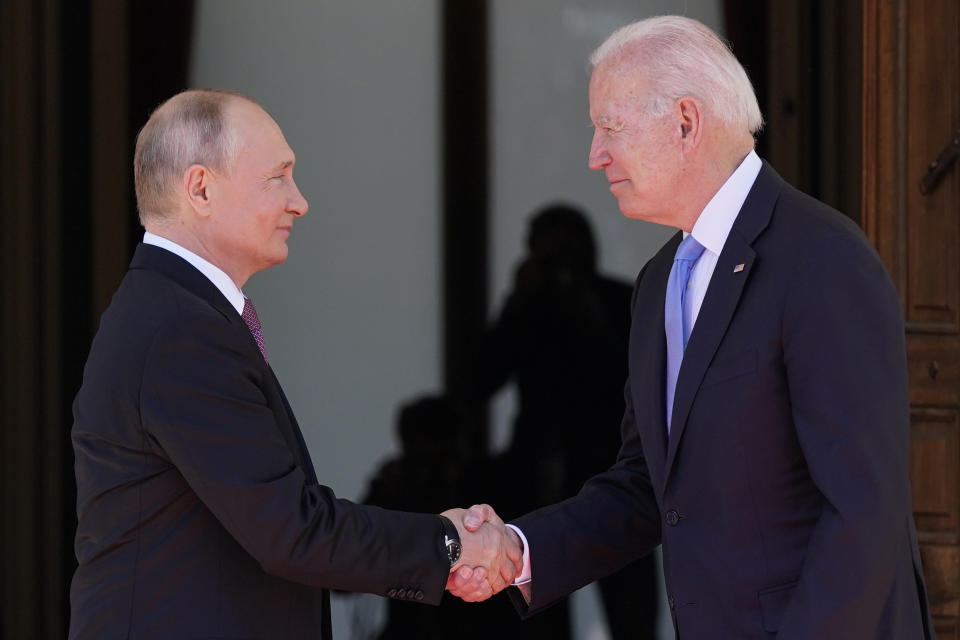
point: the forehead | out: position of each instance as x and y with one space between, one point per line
260 139
616 90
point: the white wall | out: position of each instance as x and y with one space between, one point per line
352 318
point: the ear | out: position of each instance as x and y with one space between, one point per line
197 187
691 122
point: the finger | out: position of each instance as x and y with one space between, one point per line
479 595
469 585
459 580
480 575
475 516
480 585
466 580
508 572
478 514
515 550
497 584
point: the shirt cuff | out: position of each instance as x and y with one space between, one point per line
524 576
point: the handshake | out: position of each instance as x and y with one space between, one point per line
491 556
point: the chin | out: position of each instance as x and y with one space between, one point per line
279 256
635 214
641 213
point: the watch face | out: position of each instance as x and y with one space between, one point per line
453 551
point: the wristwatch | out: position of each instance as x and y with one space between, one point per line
451 540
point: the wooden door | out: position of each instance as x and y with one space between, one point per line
911 79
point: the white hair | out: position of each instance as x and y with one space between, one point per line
189 128
682 57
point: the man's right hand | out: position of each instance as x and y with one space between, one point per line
492 554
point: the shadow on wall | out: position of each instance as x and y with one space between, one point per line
561 338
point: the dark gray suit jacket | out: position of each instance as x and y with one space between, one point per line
782 495
200 515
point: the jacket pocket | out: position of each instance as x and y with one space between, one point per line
773 602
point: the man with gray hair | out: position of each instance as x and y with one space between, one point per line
200 514
765 440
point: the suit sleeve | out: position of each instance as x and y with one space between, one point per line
844 354
203 408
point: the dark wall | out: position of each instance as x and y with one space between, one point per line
804 58
79 78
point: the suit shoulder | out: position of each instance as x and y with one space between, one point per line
819 244
148 304
161 296
809 220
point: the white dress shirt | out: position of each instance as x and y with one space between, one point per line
220 280
713 226
710 230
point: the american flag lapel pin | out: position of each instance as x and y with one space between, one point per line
738 268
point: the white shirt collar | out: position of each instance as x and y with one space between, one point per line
220 280
713 226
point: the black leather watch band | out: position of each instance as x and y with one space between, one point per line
451 540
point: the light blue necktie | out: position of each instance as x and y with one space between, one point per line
677 320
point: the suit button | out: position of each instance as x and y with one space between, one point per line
673 518
418 595
401 593
673 605
392 593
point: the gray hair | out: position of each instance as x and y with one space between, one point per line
681 57
189 128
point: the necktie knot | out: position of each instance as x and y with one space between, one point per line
252 320
689 250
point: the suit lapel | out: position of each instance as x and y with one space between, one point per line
721 301
648 358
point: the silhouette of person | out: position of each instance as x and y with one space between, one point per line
562 339
425 476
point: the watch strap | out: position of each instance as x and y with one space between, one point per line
451 540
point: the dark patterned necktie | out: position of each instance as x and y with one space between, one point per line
253 323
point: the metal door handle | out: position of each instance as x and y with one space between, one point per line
938 168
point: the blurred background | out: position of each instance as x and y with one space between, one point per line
427 134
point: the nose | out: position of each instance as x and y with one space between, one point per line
599 158
297 204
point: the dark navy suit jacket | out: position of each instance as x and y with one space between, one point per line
782 495
200 515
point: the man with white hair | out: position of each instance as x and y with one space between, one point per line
200 514
765 437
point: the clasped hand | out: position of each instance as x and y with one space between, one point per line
491 556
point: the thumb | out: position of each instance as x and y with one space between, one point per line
476 515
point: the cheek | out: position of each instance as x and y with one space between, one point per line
268 212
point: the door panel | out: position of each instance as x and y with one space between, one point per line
911 108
